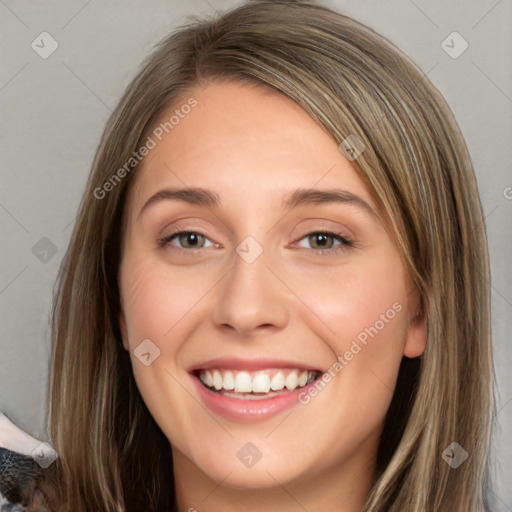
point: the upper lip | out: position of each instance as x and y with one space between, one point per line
253 364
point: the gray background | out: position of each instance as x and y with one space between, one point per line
54 109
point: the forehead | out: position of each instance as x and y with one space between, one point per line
242 140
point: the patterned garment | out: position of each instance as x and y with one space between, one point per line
21 478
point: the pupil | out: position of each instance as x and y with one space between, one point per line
190 237
321 239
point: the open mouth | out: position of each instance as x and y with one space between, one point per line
254 385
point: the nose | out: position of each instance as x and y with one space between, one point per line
252 298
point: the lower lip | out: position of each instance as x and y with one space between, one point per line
238 409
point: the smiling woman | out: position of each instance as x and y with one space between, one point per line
310 228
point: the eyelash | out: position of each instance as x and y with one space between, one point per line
345 242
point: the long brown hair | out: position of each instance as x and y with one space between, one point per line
352 81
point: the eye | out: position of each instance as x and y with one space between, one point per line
188 239
325 240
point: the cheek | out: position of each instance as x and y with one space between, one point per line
363 320
155 299
356 301
164 305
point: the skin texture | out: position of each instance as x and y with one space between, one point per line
298 301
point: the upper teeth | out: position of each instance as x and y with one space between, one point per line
258 382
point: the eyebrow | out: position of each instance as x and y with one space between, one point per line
301 196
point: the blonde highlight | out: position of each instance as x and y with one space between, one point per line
418 170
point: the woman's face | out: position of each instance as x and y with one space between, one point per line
256 295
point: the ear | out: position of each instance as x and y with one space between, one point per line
416 337
122 328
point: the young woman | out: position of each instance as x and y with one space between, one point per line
276 292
